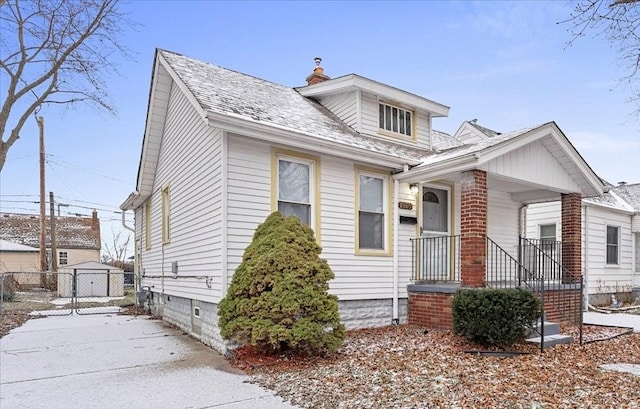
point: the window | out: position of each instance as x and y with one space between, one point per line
147 224
372 205
613 247
548 232
295 180
63 258
394 119
166 214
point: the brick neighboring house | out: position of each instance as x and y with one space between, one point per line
77 240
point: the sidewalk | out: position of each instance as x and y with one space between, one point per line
613 319
113 361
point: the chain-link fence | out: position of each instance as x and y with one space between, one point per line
62 293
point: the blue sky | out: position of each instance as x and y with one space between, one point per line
505 63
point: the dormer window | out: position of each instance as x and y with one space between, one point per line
395 119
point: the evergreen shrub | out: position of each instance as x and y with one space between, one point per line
278 299
494 317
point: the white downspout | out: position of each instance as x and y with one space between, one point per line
585 234
396 242
124 224
224 279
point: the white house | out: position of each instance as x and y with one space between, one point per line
610 239
404 214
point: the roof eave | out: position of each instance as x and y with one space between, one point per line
435 170
353 82
284 136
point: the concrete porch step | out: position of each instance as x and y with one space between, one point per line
550 328
551 340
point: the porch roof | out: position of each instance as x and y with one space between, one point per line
534 164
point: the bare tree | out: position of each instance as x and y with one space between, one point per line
115 253
619 22
55 52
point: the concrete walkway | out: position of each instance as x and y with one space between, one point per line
118 361
613 319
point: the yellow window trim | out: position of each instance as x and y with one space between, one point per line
275 154
166 202
147 224
389 212
414 120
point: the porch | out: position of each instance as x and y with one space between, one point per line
537 267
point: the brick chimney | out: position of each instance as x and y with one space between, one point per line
318 73
95 227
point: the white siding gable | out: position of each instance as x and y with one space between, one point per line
189 164
532 163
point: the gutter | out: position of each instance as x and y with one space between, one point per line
432 171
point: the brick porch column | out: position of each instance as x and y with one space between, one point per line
571 237
473 228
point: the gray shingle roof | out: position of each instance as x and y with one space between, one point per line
464 149
71 232
629 193
443 141
231 93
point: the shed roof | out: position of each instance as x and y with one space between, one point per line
16 247
71 232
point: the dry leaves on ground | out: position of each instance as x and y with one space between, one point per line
404 367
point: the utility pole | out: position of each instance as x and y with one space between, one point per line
52 220
43 233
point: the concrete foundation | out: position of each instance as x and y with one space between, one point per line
182 313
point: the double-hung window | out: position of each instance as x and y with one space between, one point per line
613 245
147 224
395 119
295 187
372 205
166 214
63 258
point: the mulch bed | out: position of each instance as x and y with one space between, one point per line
406 367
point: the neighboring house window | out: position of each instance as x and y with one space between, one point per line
295 188
63 258
613 245
548 232
637 252
372 206
147 224
166 214
395 119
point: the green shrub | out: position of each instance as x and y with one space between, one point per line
278 299
494 316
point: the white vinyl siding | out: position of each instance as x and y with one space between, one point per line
503 220
190 160
371 125
532 163
600 277
344 106
357 277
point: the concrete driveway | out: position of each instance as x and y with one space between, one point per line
613 319
118 361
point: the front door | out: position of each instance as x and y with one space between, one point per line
436 232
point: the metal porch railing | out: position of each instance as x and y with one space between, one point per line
436 259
